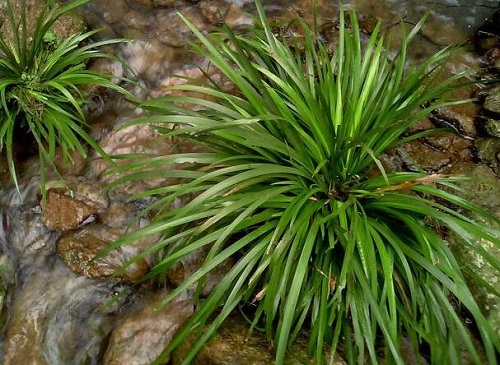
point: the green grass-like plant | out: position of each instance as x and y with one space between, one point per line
41 85
291 187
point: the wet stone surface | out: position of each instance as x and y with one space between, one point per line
78 248
59 321
488 150
187 266
78 251
66 208
143 334
492 103
55 316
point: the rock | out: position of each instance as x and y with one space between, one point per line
483 188
131 140
460 118
29 241
66 26
142 335
443 33
217 11
78 249
67 207
240 3
488 150
54 316
235 17
212 10
172 31
488 35
74 167
118 215
487 301
111 67
492 127
63 213
147 58
69 24
232 345
493 58
164 3
145 3
7 283
492 103
182 270
137 139
59 318
435 153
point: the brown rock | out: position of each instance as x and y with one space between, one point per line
443 33
21 346
138 139
181 271
62 213
70 202
147 3
164 3
235 17
173 31
142 335
232 345
212 10
459 117
132 140
78 250
146 56
118 215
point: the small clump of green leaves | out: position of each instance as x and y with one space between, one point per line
42 81
320 243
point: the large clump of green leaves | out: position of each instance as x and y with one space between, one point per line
288 189
41 80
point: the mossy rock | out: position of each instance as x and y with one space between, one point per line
492 127
483 190
488 150
492 103
488 302
67 25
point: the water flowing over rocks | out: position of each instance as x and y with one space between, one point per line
143 334
61 321
56 316
78 250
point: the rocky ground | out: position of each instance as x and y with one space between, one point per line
63 307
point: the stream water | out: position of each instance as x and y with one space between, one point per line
56 304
